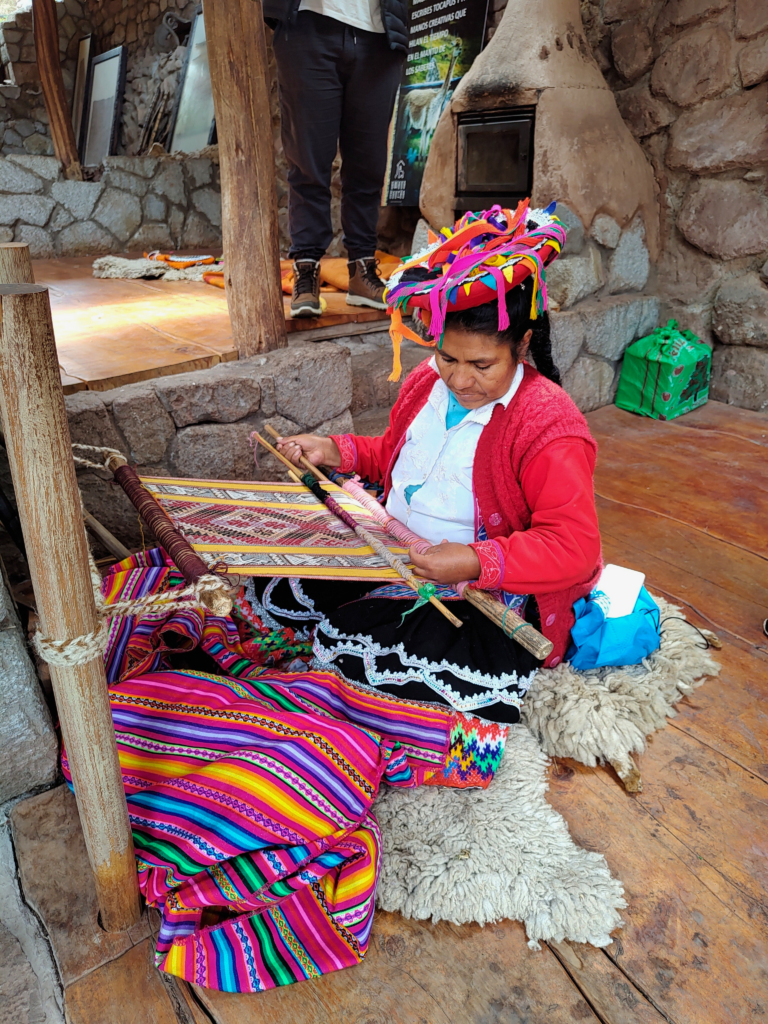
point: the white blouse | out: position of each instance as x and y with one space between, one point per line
435 466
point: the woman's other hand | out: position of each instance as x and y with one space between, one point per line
447 562
321 451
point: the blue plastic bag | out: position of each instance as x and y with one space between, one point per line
598 640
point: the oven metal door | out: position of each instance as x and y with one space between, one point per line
494 157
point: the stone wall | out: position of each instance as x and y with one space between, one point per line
199 424
690 81
139 203
23 118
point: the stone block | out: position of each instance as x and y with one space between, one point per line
574 278
198 231
764 272
111 507
26 208
200 171
208 202
27 738
61 219
567 333
154 207
24 127
214 451
39 240
12 138
574 240
26 74
84 239
176 224
6 234
726 219
79 197
343 424
47 167
720 135
683 13
420 236
125 182
753 62
620 10
151 236
632 50
224 394
611 324
740 377
695 67
590 383
751 18
313 382
630 264
119 213
605 231
58 883
142 418
89 421
144 166
169 182
30 992
38 144
740 314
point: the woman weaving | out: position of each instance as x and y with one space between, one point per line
485 457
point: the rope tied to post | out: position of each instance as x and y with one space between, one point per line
207 589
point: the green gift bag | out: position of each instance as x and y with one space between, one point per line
665 374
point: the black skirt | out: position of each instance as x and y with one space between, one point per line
364 636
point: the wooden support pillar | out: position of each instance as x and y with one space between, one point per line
237 56
15 263
46 33
40 457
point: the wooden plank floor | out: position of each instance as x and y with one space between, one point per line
686 503
114 332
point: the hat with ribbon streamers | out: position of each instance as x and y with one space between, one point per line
478 261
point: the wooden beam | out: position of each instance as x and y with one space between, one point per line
46 33
237 56
38 445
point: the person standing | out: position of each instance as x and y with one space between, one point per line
339 64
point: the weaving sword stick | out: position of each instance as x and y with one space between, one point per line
510 622
312 484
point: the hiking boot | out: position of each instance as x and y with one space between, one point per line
365 286
305 300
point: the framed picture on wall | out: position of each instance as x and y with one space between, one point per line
105 102
193 120
80 90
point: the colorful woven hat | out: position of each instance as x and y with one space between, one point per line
478 261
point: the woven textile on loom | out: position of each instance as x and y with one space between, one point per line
273 529
250 792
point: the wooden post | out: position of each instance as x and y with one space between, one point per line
15 264
237 56
46 33
40 457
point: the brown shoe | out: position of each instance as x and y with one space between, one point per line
365 286
305 300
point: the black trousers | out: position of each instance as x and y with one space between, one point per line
337 88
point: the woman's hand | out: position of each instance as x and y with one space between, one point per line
321 451
447 562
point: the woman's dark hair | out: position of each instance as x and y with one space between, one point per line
485 320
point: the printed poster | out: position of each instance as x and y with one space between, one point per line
445 37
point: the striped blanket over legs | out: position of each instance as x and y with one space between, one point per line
250 789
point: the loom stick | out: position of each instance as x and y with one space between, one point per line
188 562
508 621
381 549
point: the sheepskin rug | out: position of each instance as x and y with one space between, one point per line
606 714
466 855
119 267
485 855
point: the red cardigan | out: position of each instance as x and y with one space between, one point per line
532 479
